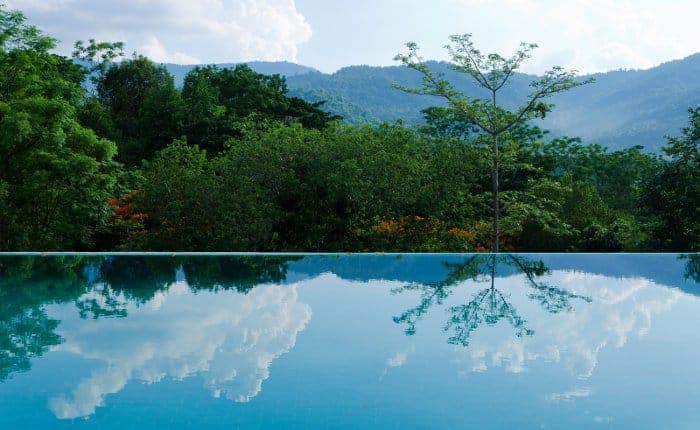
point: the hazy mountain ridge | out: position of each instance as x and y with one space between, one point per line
621 109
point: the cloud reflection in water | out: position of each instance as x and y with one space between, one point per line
227 338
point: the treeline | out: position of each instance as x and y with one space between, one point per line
231 162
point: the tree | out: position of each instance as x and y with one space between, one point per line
97 56
226 103
206 120
671 197
491 72
55 174
146 108
192 203
617 175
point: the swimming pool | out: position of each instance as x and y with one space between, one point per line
350 341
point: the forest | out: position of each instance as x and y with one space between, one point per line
102 152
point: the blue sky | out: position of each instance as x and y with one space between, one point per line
587 35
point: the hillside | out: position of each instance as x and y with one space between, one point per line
621 109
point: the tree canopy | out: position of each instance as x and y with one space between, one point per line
231 162
55 174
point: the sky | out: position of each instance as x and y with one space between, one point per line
586 35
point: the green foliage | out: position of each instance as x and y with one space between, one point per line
16 35
55 174
293 188
566 215
388 188
144 105
617 175
99 54
443 122
671 197
232 162
91 113
491 72
224 103
192 203
623 109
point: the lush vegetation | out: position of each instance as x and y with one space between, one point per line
231 161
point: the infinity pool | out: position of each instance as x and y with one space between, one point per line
350 342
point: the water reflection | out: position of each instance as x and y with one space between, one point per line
489 305
104 287
573 317
692 267
224 321
228 339
28 284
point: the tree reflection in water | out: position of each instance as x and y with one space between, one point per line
27 284
489 306
692 267
123 279
102 287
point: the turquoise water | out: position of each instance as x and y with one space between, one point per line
350 342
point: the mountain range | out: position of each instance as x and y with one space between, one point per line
620 109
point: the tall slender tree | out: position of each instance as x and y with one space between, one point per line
491 72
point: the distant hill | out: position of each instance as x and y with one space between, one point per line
622 109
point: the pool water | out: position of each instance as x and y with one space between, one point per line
350 341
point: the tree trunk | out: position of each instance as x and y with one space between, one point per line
495 185
496 200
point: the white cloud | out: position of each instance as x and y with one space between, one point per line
156 51
229 339
38 6
586 35
182 31
592 35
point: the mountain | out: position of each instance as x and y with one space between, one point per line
621 109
